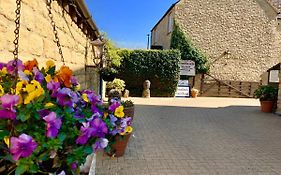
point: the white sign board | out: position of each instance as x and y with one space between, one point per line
274 76
183 91
187 67
183 83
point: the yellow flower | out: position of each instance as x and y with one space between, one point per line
1 91
78 87
34 90
85 97
48 78
20 85
4 71
128 130
105 114
27 72
49 64
7 141
119 112
49 105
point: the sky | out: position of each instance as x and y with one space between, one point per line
127 22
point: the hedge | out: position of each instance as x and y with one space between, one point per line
161 68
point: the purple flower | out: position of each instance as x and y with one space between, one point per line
101 143
13 64
7 114
38 76
93 98
74 81
22 75
86 134
53 124
62 173
126 122
64 97
9 101
74 166
112 119
95 128
43 112
23 146
54 87
113 106
99 128
2 65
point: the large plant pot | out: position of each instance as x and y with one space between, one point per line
267 106
119 147
129 111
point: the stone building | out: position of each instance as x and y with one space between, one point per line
76 30
241 38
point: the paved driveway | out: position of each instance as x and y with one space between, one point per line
199 136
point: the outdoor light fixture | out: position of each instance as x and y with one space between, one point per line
97 47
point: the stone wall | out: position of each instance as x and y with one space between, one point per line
37 38
238 34
160 35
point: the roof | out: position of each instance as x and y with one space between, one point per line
80 14
276 4
168 11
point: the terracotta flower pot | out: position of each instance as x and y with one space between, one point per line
194 94
266 106
129 111
120 145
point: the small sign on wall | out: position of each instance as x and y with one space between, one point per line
187 67
274 76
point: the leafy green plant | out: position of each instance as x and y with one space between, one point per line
117 84
180 41
266 93
160 67
127 103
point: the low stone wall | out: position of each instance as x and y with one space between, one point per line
37 38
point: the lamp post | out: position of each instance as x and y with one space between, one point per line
148 41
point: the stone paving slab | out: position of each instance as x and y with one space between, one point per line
202 136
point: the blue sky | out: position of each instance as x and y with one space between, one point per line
127 22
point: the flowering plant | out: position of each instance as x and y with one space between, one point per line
47 124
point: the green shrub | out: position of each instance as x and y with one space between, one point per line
161 68
117 84
266 93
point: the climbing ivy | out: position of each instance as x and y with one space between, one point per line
188 51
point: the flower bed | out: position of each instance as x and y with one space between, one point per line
47 124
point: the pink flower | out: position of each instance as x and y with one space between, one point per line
53 124
23 146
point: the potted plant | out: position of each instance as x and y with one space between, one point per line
108 73
121 130
194 92
48 125
268 96
116 84
129 108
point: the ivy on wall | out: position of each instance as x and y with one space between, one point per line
161 68
188 51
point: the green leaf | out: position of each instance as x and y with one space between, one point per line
52 71
22 168
23 116
88 150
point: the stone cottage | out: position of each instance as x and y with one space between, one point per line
241 38
76 29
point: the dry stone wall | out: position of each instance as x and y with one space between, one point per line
37 38
238 34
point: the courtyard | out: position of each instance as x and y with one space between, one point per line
201 136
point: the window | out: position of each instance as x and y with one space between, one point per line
170 23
